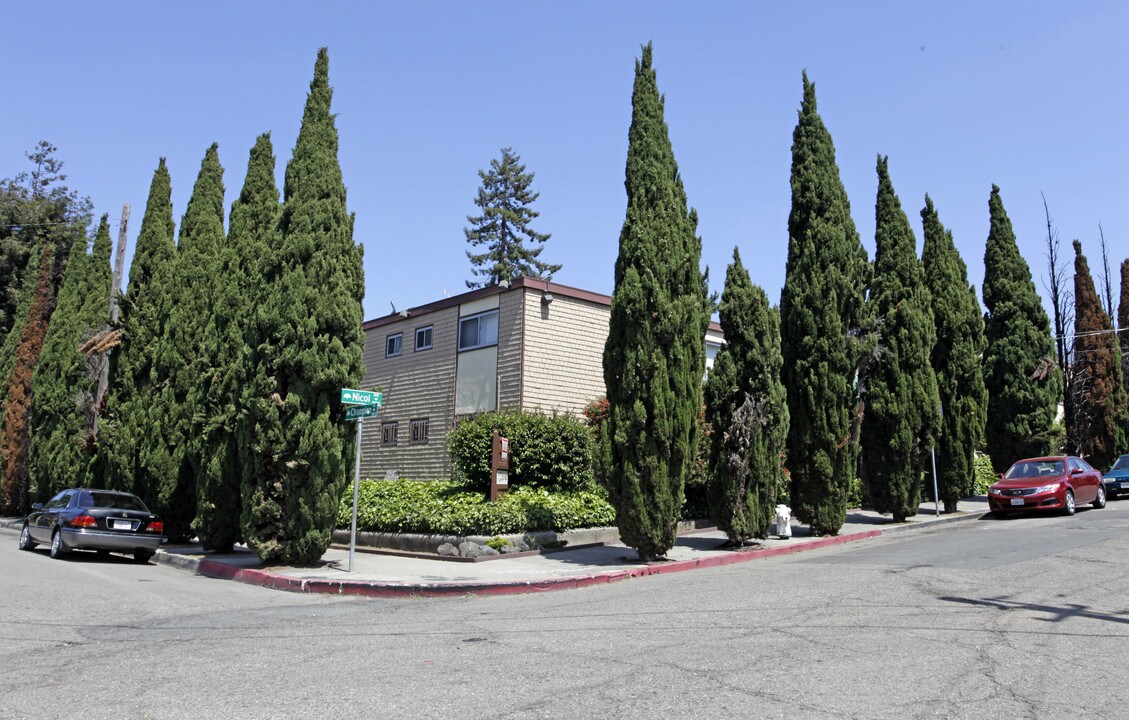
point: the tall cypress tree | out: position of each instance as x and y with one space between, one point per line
748 410
1123 325
1100 404
125 438
956 359
1020 373
512 246
654 357
62 416
223 364
30 332
307 344
191 292
902 403
822 309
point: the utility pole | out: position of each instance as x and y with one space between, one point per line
115 311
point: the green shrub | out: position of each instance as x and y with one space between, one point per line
452 509
550 451
985 475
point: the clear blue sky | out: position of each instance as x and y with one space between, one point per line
1032 96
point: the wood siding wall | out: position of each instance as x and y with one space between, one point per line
564 353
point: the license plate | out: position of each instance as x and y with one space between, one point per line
122 525
1125 486
1017 501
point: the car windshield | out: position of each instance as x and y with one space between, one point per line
118 501
1122 463
1035 468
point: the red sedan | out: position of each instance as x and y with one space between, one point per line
1047 483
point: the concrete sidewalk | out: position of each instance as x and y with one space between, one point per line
392 575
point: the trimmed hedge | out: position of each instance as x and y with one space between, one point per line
984 474
446 508
550 451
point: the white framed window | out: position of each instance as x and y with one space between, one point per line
423 338
478 330
394 345
389 433
417 431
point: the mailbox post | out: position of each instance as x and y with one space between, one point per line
500 467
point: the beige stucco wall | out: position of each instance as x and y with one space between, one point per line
564 350
416 384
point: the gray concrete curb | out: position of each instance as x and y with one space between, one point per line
375 588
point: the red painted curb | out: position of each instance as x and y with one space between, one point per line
278 581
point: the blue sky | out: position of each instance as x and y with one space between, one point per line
1032 96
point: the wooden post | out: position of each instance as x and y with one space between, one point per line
500 467
115 311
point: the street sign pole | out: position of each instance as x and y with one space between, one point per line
356 493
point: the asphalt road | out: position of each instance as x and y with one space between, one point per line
1024 618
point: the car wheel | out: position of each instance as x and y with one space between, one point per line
1099 499
1068 504
58 551
142 556
25 539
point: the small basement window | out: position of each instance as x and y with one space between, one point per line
389 433
417 431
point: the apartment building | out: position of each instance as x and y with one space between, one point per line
528 344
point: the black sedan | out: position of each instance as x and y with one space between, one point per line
102 520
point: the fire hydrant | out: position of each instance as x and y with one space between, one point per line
783 522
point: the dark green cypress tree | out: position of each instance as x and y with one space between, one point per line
62 416
512 246
901 416
194 274
1102 415
1123 326
822 312
1020 372
223 363
956 360
748 410
307 344
132 415
654 358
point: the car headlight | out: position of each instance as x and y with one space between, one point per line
1048 488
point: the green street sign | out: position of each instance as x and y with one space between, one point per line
361 397
360 411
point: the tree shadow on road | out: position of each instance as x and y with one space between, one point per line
1057 613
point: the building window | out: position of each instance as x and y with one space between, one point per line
478 330
389 432
417 431
423 338
394 345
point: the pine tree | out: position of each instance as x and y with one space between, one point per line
223 366
901 417
511 245
36 208
126 437
1100 404
822 310
62 416
307 344
747 407
956 360
194 273
654 358
1020 372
